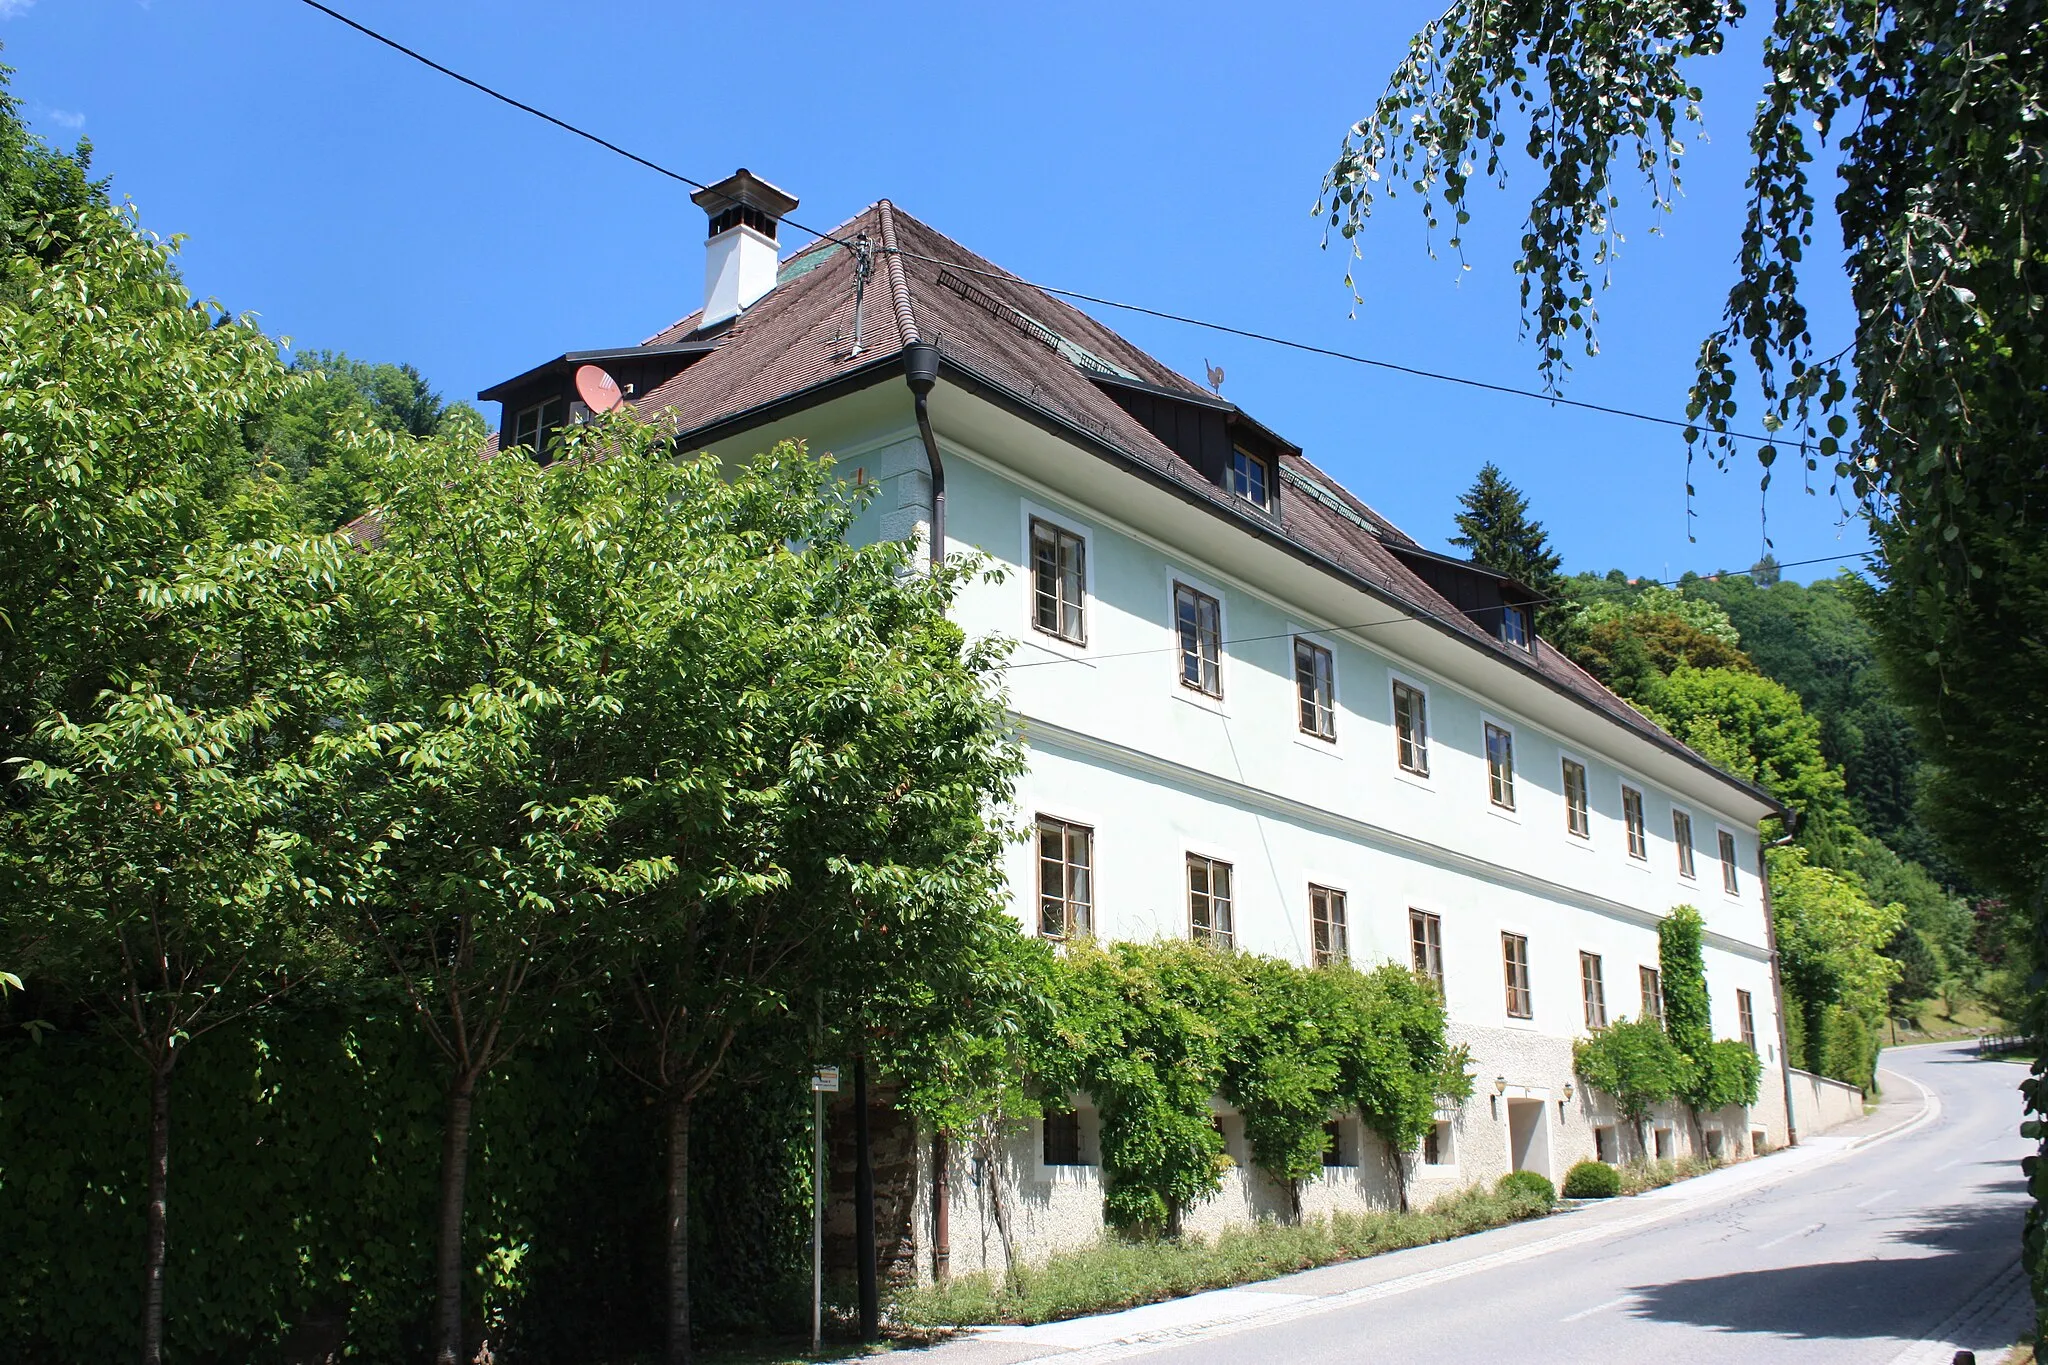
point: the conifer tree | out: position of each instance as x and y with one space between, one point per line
1495 529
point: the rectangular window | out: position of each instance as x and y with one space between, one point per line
1745 1018
1411 728
1436 1144
1066 890
533 426
1500 766
1063 1139
1315 688
1328 939
1653 993
1336 1152
1059 582
1605 1148
1665 1144
1426 941
1594 990
1514 951
1681 835
1577 820
1249 477
1514 626
1209 918
1199 619
1632 816
1728 879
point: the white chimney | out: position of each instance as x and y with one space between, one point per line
740 256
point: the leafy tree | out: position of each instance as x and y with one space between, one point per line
1635 1062
303 435
1496 530
159 683
633 727
1757 730
1935 116
1830 945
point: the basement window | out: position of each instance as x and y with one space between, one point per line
1063 1139
1336 1151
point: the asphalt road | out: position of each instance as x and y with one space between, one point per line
1894 1240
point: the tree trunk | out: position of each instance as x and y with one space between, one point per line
678 1231
448 1237
159 1182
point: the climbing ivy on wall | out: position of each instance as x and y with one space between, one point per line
1154 1032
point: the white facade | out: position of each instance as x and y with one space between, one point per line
1157 771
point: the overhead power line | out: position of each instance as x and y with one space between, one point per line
1389 620
1247 334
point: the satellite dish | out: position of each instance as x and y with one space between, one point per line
598 390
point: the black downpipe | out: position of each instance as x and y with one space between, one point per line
921 372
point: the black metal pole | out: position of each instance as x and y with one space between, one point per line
864 1205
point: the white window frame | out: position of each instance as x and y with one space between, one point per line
1686 864
1426 779
1627 785
1443 976
1265 462
1091 537
539 411
1599 980
1187 895
1343 951
1089 1121
1564 798
1519 1021
1513 810
1176 579
1314 641
1038 819
1730 867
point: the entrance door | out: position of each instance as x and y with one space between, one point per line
1529 1136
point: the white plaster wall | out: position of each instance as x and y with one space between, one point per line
1115 742
1819 1103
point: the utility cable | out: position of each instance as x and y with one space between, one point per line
1385 621
1308 348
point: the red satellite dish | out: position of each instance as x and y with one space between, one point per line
598 390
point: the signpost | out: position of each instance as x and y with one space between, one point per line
824 1081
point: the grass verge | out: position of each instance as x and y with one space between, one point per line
1639 1176
1115 1273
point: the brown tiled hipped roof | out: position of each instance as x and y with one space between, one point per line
1039 352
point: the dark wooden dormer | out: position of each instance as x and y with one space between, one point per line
543 400
1218 440
1497 604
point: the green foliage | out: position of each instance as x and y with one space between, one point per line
303 435
1592 1180
1117 1273
1757 730
1937 189
1682 964
1635 1062
1495 529
1534 1184
1830 943
1153 1031
1727 1073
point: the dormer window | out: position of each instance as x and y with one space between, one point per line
531 427
1250 477
1514 626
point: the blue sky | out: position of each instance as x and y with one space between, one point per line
1164 154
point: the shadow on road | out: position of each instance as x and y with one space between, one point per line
1862 1299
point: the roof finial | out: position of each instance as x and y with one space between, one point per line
1215 373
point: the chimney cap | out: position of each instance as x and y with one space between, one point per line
746 189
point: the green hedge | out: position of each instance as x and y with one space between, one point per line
1592 1180
1534 1184
304 1154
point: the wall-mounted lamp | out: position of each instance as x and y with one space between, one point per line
1500 1085
1567 1089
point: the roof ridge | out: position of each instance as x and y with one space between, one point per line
906 320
